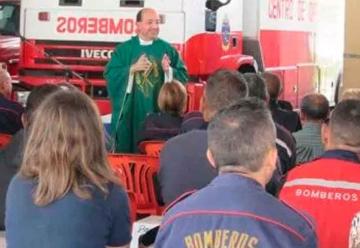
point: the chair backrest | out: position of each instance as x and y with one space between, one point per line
4 139
152 147
138 172
122 171
145 189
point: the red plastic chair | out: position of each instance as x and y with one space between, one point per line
122 171
139 172
195 92
4 139
145 189
151 147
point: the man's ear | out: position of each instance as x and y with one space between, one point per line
204 108
24 120
202 103
325 132
302 116
210 158
271 159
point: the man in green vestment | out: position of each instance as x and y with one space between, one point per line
144 63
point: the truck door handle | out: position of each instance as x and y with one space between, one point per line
295 89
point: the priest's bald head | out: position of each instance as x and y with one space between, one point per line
147 24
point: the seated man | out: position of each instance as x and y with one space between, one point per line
314 111
235 210
11 155
288 119
285 142
183 163
10 111
328 187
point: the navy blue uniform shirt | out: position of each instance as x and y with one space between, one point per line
69 222
184 166
234 211
342 155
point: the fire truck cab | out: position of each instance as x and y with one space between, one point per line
9 39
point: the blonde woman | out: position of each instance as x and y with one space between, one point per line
65 195
172 102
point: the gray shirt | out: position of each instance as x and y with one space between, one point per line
308 142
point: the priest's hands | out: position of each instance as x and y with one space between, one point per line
142 64
165 63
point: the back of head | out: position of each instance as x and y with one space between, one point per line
241 135
273 84
65 149
36 97
257 86
345 124
223 89
5 82
172 98
352 93
315 107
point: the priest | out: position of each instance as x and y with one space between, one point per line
135 74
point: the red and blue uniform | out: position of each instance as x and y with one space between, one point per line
234 211
328 189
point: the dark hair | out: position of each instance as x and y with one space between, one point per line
224 88
36 97
345 123
273 84
257 86
139 15
315 107
242 134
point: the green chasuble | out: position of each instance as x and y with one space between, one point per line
143 98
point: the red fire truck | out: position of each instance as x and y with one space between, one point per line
9 40
72 40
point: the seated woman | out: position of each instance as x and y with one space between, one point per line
172 102
65 194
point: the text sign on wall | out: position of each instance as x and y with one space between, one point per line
293 15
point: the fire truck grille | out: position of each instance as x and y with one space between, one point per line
60 73
63 52
71 62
